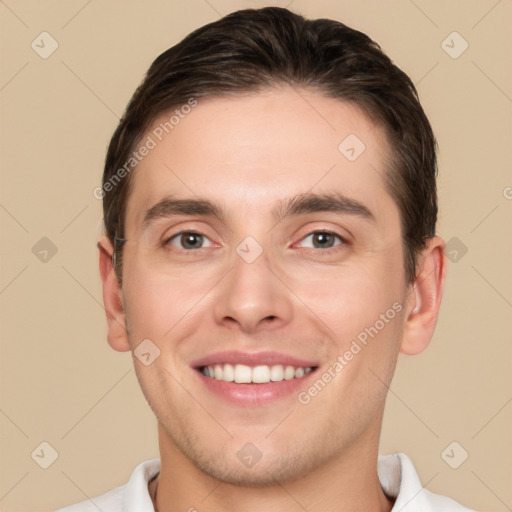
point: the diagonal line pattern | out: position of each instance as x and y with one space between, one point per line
177 177
14 76
74 218
501 409
288 492
13 13
405 504
321 178
492 81
87 87
375 169
14 423
82 286
508 507
326 173
76 14
81 490
211 492
14 218
13 279
89 293
426 74
207 2
315 109
492 211
97 402
492 286
280 423
485 15
199 403
389 389
424 14
5 495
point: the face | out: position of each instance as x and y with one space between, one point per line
260 251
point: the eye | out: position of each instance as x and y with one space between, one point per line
322 240
188 240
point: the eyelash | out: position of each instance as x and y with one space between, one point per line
167 241
343 241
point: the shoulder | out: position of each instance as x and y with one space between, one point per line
399 479
132 496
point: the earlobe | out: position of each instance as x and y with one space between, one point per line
426 291
112 298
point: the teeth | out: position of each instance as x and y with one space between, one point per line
289 373
260 374
243 374
276 373
228 373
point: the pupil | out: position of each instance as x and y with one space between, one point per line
323 240
192 240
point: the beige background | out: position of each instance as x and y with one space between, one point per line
60 381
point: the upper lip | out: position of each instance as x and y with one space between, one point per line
268 358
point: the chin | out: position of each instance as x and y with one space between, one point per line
224 463
263 474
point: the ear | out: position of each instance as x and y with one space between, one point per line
112 298
425 298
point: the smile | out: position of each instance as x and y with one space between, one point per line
253 379
261 374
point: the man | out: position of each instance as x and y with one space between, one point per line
270 209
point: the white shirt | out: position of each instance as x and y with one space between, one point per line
396 472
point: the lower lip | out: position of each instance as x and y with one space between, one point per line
251 395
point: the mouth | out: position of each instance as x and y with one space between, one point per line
253 379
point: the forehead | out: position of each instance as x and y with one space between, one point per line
249 152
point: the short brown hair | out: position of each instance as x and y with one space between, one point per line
253 49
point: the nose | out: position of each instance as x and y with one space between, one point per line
253 297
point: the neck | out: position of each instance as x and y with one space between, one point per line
348 483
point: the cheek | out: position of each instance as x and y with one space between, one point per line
155 304
165 306
349 300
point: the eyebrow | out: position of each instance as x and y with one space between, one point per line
333 202
299 205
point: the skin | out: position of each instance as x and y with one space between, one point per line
247 154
